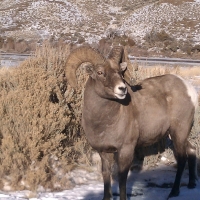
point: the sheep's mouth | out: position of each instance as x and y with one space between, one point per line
120 90
120 96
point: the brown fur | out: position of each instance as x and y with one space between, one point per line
155 107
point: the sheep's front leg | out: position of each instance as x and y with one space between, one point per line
124 160
106 173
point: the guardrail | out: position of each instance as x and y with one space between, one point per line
16 54
165 60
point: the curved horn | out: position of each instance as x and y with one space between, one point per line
79 56
129 74
117 54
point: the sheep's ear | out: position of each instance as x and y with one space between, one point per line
123 66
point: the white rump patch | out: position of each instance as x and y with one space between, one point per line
191 91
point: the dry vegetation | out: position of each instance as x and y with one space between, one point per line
40 123
40 132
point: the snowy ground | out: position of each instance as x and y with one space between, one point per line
147 185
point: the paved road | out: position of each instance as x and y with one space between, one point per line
14 59
11 59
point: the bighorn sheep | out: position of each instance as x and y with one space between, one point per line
118 118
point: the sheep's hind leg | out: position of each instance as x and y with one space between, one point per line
106 173
191 153
180 145
181 161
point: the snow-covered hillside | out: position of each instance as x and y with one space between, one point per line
182 21
91 20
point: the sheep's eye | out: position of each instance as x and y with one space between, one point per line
99 73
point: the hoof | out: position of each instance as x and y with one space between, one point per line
191 185
107 198
173 194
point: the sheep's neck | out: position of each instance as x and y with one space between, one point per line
99 111
98 107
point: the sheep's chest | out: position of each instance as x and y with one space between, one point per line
106 133
102 136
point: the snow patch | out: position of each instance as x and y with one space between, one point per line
147 184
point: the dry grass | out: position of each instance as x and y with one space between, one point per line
143 71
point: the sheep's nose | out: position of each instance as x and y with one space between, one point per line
120 90
123 89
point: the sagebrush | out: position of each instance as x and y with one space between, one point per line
40 132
